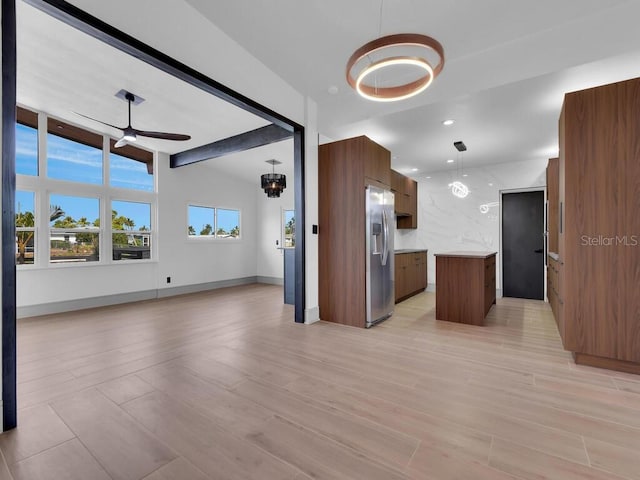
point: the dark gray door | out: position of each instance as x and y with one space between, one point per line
523 245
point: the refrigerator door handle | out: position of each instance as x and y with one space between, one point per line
385 228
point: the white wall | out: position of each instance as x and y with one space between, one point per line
447 223
187 261
270 261
312 310
191 261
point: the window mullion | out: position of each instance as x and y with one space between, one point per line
42 145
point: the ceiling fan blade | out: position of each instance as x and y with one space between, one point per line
163 135
99 121
120 143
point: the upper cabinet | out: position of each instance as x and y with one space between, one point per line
406 200
376 161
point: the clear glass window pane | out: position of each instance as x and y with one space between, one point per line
74 247
73 161
131 225
201 221
131 246
74 223
227 223
289 228
26 150
66 211
129 173
130 215
25 227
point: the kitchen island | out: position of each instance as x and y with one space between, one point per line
465 286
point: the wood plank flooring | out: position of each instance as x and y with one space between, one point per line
223 385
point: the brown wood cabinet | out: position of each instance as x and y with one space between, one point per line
406 200
465 286
553 205
344 169
598 268
410 273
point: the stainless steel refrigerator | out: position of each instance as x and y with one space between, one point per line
380 230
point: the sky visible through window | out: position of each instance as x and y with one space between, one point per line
26 150
201 216
24 201
72 161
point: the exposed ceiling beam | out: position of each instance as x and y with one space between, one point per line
238 143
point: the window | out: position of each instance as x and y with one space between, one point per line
227 223
25 227
26 150
201 221
73 154
74 234
213 222
131 168
131 230
90 220
289 228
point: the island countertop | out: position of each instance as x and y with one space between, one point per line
465 254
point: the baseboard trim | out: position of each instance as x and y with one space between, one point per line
117 299
201 287
608 363
270 280
311 315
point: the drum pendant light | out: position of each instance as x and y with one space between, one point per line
273 183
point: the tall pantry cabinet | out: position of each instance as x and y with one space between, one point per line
598 267
344 169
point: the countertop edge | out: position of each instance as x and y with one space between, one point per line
409 251
466 254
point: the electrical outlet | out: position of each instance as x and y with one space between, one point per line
168 279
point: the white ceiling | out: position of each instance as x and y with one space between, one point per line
508 64
62 70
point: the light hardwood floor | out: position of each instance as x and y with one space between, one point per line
224 385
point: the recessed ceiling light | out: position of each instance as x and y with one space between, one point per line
465 175
428 177
450 160
414 169
448 122
491 184
333 90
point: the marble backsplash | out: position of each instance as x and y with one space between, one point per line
446 222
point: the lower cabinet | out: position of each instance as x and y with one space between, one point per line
410 274
465 286
554 294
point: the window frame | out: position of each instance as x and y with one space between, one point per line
283 217
44 186
214 237
33 229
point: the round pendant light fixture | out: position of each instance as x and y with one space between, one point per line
377 52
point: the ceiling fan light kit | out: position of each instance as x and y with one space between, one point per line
130 134
357 72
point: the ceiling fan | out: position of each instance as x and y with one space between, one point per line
130 134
